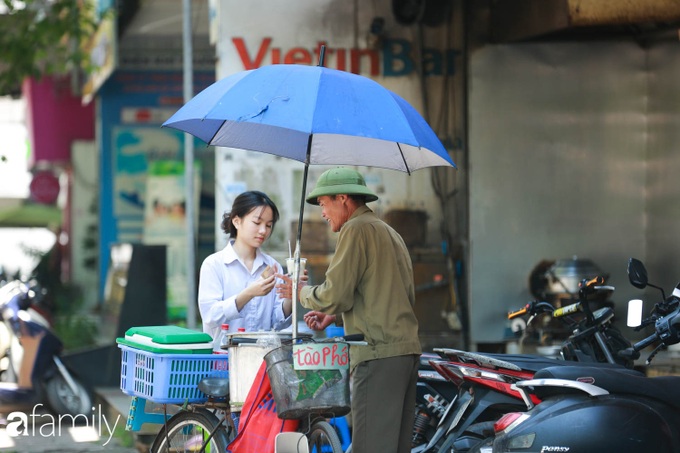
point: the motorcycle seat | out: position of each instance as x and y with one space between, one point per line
527 362
619 381
537 362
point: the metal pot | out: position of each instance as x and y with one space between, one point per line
564 276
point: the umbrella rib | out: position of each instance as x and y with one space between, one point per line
216 132
408 170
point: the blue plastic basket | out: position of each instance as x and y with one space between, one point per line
168 378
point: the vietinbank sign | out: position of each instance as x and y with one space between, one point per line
394 58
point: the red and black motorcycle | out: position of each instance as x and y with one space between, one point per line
614 410
485 381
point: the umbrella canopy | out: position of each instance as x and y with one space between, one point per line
315 115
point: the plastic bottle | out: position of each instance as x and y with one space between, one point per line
221 340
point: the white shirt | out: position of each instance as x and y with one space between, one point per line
223 276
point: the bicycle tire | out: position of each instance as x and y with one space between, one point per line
323 438
183 431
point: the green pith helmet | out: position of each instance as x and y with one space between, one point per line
338 181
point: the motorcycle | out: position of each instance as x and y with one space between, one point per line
485 381
594 409
434 393
33 372
593 338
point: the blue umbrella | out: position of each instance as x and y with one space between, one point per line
315 115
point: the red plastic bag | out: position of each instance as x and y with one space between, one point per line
259 424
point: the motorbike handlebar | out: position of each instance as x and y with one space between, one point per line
645 322
640 345
666 331
629 354
566 310
522 311
604 288
532 308
354 337
588 286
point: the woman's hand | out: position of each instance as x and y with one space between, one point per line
260 287
318 321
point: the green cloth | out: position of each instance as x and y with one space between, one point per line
311 382
369 282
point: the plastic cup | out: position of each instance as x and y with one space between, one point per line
290 263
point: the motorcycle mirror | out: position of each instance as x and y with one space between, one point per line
637 274
634 313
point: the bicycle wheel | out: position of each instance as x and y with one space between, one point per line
186 431
324 438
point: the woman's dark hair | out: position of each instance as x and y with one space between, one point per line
243 204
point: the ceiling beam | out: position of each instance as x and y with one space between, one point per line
516 20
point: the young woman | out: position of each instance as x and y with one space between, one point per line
236 283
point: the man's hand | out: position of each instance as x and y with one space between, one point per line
318 321
285 289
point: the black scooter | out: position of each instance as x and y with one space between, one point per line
593 409
33 373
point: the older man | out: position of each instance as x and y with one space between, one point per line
369 283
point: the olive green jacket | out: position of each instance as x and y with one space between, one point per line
369 282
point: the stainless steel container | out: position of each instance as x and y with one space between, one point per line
564 276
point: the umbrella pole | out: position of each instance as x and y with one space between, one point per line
296 255
190 221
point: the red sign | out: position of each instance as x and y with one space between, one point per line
320 356
395 57
44 187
